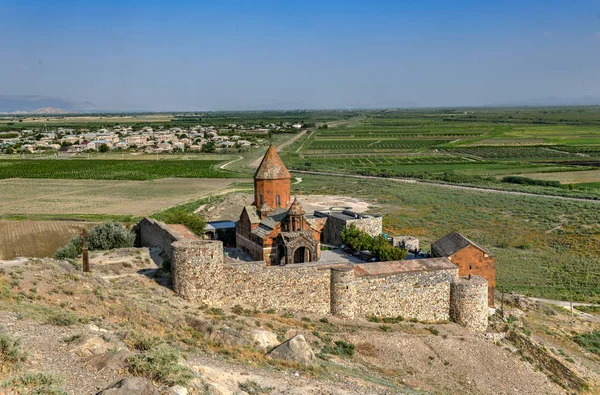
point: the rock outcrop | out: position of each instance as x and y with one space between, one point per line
296 350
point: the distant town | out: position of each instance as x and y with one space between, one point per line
147 139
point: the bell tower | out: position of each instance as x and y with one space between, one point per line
272 182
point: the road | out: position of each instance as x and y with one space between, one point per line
451 186
281 146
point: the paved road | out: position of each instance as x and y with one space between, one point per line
451 186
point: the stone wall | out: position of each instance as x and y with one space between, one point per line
370 225
409 243
422 295
426 290
153 233
343 295
200 275
469 303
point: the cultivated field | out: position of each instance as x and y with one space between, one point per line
36 238
72 197
117 169
468 146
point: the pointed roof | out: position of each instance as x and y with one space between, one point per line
451 244
271 167
296 208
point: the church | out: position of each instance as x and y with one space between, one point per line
274 228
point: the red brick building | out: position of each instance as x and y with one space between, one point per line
469 257
274 228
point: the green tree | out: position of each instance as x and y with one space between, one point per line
209 147
104 148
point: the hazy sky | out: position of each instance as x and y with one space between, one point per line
219 54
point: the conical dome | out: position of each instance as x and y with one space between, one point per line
271 167
296 209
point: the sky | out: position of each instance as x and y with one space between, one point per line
199 55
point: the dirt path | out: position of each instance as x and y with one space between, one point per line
224 165
281 146
408 180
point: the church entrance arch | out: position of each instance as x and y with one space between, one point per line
302 254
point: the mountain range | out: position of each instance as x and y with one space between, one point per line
36 104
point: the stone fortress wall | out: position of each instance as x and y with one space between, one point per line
419 289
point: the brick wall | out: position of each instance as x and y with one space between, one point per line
269 189
480 263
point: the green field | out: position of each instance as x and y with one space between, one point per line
111 169
475 147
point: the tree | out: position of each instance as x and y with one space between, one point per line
104 148
209 147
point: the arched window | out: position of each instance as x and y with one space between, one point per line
260 198
277 200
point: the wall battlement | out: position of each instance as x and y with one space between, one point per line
420 289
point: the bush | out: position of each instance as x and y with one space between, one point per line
252 387
105 236
378 246
589 341
161 364
193 222
10 353
36 384
340 348
530 181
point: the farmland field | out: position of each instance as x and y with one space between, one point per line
464 146
110 169
60 198
36 238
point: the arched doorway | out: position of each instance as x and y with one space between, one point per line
301 255
281 257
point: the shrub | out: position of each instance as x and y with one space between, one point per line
161 364
10 353
64 319
252 388
378 246
589 341
36 384
105 236
193 222
340 348
530 181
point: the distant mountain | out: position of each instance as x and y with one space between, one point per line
48 110
21 104
555 101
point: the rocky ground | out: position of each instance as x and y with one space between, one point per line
85 332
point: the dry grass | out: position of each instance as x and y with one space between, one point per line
137 198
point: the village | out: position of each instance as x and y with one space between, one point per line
147 139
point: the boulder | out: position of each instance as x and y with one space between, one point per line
177 390
90 345
130 386
263 340
296 350
114 360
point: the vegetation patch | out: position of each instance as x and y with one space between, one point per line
161 364
11 355
589 341
36 383
105 236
